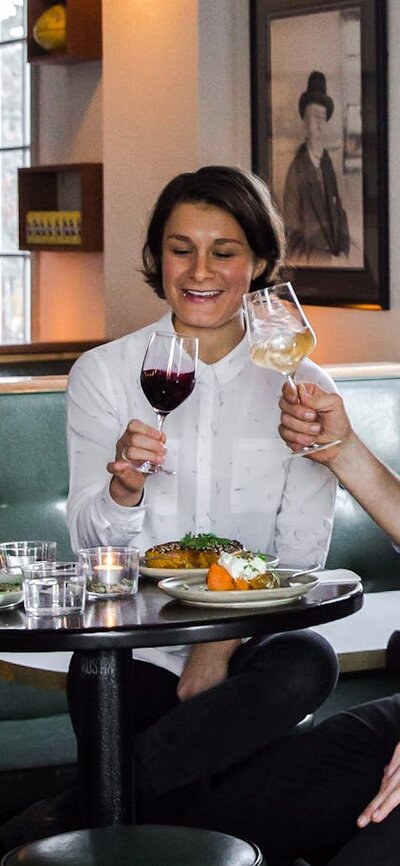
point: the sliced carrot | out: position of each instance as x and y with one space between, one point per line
218 578
240 583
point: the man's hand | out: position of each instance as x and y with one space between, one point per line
206 666
313 416
388 796
140 442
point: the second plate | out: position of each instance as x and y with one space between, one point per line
194 591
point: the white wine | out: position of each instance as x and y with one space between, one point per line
283 350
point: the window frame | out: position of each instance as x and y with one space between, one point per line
29 126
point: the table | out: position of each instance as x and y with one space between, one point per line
101 640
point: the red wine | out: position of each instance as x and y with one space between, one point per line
165 391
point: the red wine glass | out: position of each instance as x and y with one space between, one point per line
167 378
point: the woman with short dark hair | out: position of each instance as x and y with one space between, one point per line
214 234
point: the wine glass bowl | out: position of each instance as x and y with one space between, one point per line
280 336
279 333
167 378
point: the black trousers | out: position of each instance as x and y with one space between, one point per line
273 683
302 796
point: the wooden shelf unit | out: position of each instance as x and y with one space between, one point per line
39 190
84 29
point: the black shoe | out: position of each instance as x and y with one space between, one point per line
40 820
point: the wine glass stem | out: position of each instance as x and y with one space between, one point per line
291 381
161 416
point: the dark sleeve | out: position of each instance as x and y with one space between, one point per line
343 233
292 211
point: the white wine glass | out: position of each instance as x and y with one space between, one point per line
167 377
280 336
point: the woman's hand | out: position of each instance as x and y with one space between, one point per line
313 415
388 796
140 442
206 666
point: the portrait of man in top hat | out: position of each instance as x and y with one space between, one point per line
316 222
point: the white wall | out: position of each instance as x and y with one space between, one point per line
150 75
68 302
175 94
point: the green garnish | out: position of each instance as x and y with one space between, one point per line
10 587
206 539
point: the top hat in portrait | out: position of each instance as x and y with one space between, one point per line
316 92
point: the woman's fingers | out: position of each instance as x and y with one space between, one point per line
140 442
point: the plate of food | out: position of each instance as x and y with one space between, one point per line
191 556
241 580
11 592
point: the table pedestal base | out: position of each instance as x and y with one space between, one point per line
99 686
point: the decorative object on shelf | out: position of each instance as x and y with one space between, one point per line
50 30
61 207
74 37
53 227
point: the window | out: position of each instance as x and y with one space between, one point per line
15 151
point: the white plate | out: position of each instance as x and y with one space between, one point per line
194 591
157 573
10 599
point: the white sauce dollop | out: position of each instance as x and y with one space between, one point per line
242 564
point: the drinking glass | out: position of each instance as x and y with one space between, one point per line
54 588
16 554
167 378
280 336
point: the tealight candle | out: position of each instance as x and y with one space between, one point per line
111 571
108 572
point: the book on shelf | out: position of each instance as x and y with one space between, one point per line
61 227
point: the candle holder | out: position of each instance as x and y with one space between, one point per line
111 572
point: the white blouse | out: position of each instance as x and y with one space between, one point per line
232 477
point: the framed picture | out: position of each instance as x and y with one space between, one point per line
319 136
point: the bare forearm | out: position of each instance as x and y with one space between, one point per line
373 484
207 666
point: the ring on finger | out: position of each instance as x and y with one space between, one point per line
123 455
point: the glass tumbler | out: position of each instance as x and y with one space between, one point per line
14 555
54 588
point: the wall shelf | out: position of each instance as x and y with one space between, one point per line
67 187
84 41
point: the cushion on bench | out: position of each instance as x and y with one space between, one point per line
373 405
33 465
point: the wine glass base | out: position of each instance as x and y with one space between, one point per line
148 468
309 450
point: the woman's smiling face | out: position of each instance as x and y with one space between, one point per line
207 265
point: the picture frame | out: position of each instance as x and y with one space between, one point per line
319 140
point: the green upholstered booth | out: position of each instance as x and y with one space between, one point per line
33 491
371 393
37 742
33 461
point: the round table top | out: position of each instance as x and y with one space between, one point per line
151 618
